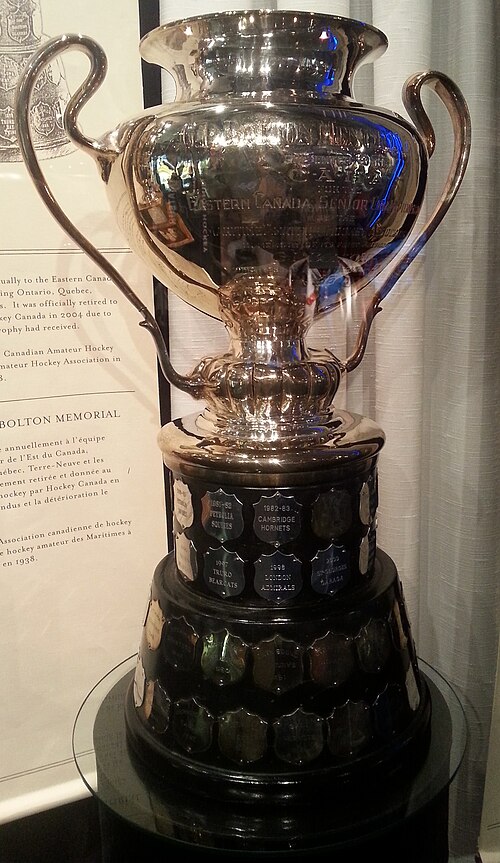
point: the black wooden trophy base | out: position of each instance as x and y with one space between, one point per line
266 703
402 819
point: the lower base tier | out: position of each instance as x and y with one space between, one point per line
402 818
258 703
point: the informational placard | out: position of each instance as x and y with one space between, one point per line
82 509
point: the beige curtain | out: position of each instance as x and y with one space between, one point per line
431 374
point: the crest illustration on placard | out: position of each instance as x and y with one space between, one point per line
20 36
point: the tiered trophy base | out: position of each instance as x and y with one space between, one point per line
145 817
275 703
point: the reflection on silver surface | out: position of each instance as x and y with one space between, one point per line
224 657
265 196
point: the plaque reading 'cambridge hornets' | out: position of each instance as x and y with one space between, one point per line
330 569
223 572
222 515
278 576
298 738
277 519
278 664
242 736
332 514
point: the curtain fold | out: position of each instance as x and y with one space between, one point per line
460 501
430 375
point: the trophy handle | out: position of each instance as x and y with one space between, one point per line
103 155
457 108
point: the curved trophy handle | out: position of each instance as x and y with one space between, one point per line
103 155
457 108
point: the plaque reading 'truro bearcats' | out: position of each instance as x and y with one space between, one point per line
330 569
222 515
183 504
277 519
278 576
223 572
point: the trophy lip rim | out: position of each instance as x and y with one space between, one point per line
381 47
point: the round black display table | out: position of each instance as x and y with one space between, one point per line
401 821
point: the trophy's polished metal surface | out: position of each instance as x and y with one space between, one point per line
277 652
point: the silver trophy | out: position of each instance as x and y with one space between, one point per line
276 652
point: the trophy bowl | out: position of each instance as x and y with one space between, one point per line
276 653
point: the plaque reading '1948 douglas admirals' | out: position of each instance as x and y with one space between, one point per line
277 519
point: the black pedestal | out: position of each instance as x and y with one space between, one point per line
405 821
